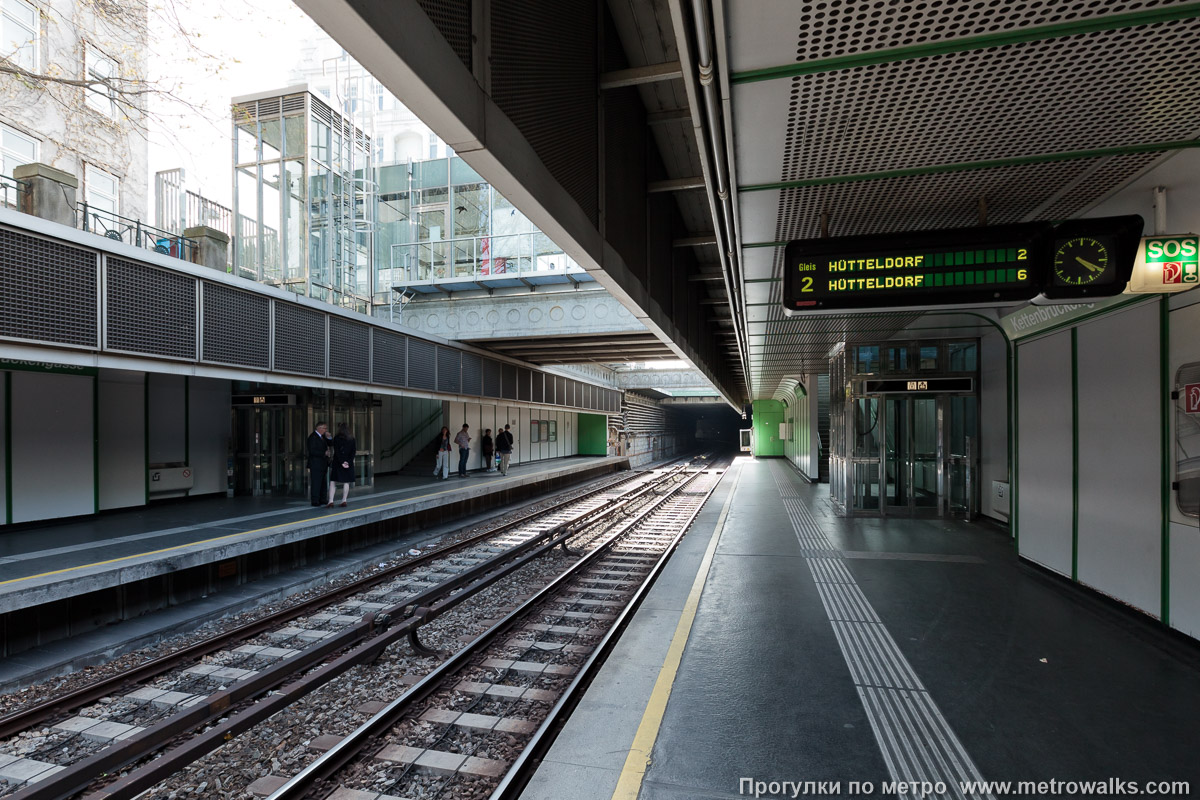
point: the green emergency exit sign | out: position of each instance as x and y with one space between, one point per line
1167 264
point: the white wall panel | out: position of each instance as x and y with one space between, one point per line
523 443
1185 594
473 416
993 420
1044 451
1184 534
1120 529
208 433
168 430
52 446
122 439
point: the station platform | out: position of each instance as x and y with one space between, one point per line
60 577
788 652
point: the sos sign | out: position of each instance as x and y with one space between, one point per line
1166 264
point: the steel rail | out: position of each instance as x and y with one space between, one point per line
519 774
351 747
373 628
31 717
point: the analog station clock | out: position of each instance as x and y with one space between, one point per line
1082 261
1090 257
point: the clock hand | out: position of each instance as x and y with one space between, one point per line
1089 265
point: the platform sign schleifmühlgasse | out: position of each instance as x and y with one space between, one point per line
995 265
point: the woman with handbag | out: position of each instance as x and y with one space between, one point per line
344 451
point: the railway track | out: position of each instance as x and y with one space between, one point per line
452 735
288 656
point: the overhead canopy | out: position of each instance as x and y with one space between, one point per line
673 147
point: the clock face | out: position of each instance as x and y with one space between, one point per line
1082 261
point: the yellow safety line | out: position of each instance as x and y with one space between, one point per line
638 760
232 535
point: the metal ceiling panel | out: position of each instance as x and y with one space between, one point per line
1034 97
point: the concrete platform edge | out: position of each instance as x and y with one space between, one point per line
587 758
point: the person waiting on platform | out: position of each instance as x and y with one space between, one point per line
318 463
343 464
504 446
486 449
441 468
463 440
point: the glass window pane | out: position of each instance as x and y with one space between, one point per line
506 218
461 172
246 206
929 357
293 137
270 221
272 146
866 427
247 142
431 174
294 222
319 140
867 359
18 34
962 356
471 210
897 359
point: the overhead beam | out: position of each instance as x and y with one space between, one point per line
1096 24
666 117
399 44
697 240
675 184
965 166
636 76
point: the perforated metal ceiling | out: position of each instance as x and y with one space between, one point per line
922 92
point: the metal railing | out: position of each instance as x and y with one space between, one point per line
478 257
135 232
11 190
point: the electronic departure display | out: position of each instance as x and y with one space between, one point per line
961 266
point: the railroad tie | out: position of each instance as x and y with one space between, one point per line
443 763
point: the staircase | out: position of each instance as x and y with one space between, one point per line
421 465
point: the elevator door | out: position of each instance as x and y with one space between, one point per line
268 458
912 460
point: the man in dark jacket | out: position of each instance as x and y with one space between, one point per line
318 464
504 446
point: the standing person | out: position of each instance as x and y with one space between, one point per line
463 440
504 446
441 468
318 463
485 451
343 463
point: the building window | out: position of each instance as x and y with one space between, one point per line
15 149
101 96
19 33
102 191
432 144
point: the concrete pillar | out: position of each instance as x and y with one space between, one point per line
212 248
51 193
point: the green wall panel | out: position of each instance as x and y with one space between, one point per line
593 435
767 416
